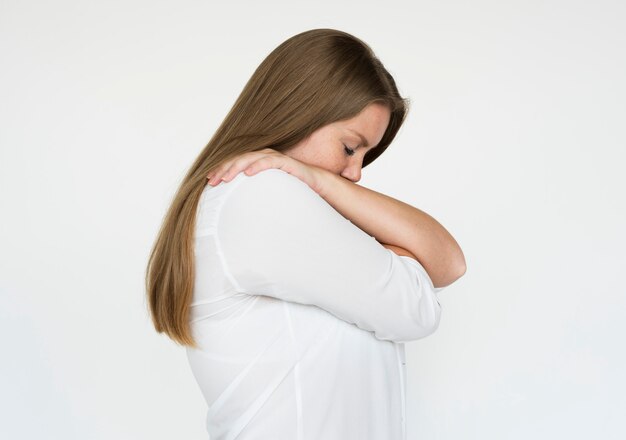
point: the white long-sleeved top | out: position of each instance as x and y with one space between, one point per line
300 316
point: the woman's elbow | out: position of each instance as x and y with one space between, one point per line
422 324
453 273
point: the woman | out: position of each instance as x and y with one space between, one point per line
292 287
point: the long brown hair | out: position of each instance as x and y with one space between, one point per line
312 79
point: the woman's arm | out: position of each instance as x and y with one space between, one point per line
399 251
395 223
277 237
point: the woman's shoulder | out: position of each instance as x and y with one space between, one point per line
268 181
271 186
271 189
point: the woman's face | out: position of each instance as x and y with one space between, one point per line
338 148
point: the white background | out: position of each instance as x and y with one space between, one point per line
515 142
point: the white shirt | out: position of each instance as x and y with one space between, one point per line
301 316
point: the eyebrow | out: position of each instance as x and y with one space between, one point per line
363 140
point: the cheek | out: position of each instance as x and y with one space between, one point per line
327 154
329 163
340 163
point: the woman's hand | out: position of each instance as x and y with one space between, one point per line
253 162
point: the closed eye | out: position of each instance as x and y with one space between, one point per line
349 151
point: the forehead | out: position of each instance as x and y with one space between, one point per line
364 140
370 125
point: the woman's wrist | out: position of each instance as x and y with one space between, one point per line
324 180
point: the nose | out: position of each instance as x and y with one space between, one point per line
352 172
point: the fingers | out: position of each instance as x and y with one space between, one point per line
226 172
251 163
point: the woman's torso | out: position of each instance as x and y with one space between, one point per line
274 369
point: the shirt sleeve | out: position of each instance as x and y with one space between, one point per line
281 239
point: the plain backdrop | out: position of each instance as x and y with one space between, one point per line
515 142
